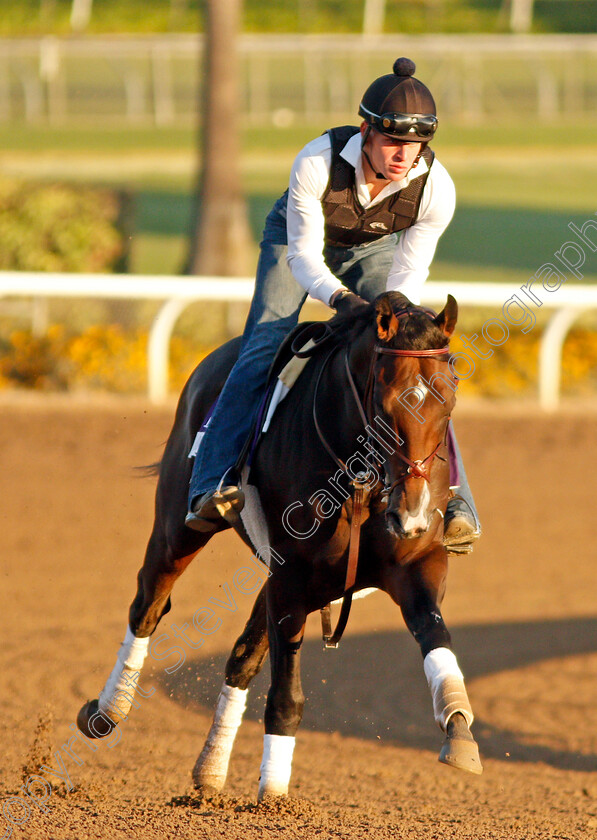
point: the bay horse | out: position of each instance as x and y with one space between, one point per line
349 408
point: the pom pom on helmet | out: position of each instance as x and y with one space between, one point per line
404 67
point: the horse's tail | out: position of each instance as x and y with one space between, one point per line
149 470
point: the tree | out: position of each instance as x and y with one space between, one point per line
221 238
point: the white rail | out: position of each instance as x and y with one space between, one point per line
570 301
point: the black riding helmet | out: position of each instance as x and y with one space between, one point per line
400 106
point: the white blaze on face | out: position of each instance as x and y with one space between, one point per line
422 391
418 520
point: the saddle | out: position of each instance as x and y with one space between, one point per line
303 341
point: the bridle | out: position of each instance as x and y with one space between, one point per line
360 483
415 468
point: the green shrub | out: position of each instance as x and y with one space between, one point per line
38 17
58 227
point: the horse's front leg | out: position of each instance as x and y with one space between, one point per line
285 700
419 589
244 663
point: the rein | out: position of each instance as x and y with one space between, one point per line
416 469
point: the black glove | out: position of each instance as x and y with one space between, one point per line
347 303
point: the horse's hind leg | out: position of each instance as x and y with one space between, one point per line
244 663
418 589
171 547
163 564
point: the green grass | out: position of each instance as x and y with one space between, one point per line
497 136
86 139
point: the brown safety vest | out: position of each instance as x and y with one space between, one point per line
346 221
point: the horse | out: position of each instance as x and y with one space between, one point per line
356 503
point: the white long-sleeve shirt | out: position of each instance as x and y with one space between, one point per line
306 223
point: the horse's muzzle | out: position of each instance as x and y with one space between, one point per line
409 527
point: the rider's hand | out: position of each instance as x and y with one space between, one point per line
346 302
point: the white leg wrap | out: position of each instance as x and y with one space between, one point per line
117 696
446 683
276 765
211 768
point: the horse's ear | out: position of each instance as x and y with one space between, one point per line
387 322
446 320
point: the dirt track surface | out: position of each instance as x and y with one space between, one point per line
522 610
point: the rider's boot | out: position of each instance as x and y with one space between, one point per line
209 511
461 525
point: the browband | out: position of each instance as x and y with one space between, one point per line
389 351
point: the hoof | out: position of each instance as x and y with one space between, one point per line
92 722
460 749
208 790
207 783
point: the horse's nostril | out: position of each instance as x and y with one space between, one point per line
394 522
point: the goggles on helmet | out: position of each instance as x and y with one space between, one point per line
401 125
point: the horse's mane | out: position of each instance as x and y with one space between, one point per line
417 329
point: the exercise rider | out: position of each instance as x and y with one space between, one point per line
363 213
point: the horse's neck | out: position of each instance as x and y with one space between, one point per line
360 357
347 421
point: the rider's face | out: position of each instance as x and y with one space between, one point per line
392 158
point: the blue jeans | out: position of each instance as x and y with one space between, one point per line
462 481
274 311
